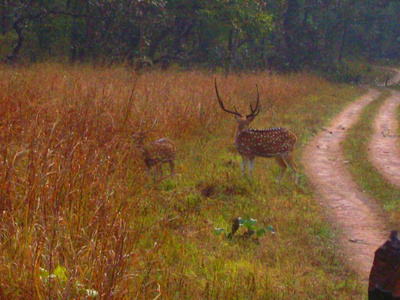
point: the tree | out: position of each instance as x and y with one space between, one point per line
233 34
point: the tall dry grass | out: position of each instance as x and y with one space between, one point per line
79 218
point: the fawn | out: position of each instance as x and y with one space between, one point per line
272 142
155 153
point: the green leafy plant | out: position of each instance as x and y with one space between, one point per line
247 223
61 274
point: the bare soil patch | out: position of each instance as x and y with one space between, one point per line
357 217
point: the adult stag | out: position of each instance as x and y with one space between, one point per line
272 142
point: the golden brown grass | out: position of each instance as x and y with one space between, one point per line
80 219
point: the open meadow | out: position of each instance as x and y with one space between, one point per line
80 219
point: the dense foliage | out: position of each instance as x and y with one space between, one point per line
236 34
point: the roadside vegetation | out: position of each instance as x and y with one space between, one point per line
80 219
359 71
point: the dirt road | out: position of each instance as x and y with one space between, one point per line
354 214
384 147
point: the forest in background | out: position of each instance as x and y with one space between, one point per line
229 34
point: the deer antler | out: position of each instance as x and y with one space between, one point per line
222 104
141 124
154 124
256 110
151 128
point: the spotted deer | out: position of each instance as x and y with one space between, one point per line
155 153
272 142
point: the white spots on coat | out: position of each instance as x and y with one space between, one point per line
265 142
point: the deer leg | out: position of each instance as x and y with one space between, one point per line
282 165
155 170
292 164
160 171
245 160
172 167
251 164
157 173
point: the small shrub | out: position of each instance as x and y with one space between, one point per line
249 224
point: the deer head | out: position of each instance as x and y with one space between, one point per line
141 135
243 121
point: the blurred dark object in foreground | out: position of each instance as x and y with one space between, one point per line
384 280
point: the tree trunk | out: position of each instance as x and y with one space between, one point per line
343 41
232 50
289 32
89 45
72 34
3 17
13 56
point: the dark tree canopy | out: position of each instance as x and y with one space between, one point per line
233 34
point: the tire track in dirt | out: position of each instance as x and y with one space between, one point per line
384 149
354 214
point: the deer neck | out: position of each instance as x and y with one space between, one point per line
140 145
240 129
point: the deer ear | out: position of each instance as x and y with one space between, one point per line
238 119
250 119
